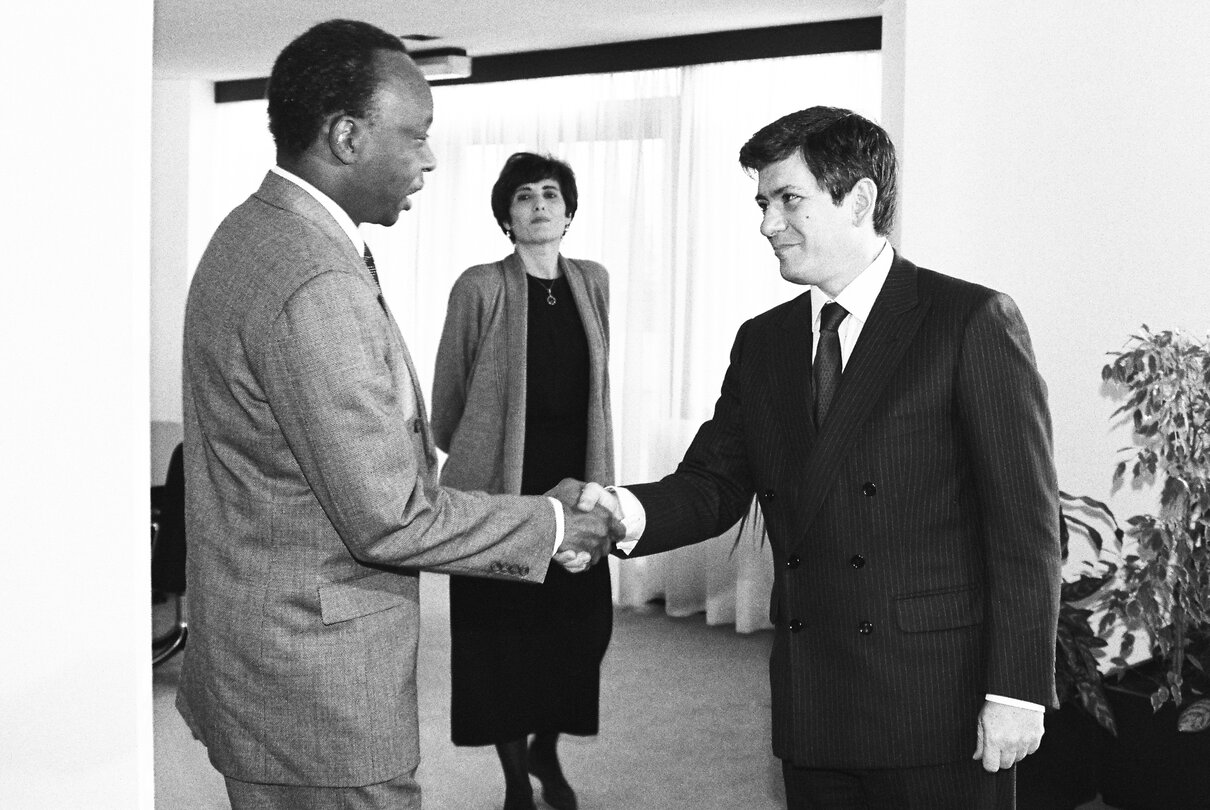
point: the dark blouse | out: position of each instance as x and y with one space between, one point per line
556 389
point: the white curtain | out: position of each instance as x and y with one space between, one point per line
666 208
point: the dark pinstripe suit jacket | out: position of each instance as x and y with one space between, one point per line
915 536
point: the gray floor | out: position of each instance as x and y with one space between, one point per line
673 692
684 725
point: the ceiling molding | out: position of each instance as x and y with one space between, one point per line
834 36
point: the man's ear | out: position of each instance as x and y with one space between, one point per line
861 199
344 137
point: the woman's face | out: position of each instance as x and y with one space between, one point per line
538 213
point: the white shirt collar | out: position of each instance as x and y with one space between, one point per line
859 296
342 219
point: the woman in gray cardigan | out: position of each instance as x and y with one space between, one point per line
521 401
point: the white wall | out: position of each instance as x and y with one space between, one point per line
1057 151
173 115
191 142
75 675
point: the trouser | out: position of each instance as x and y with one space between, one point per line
953 786
400 793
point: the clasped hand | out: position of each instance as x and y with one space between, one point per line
590 524
1006 735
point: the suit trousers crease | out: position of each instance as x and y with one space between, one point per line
952 786
400 793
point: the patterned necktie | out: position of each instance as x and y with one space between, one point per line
369 257
826 369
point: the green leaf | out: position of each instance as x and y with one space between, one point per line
1195 717
1092 698
1084 587
1091 503
1093 535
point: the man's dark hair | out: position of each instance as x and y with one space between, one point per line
839 146
526 167
328 69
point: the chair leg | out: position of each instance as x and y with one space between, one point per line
172 642
178 638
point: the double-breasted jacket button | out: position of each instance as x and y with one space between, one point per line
793 561
868 489
795 625
865 628
770 494
857 561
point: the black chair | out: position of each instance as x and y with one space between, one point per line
168 555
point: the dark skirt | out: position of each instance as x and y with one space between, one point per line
526 658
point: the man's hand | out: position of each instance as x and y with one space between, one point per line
589 530
594 494
1006 735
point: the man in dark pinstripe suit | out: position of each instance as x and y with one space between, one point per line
911 508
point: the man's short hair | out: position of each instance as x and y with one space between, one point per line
839 146
526 167
328 69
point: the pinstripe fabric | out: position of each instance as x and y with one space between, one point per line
915 537
962 785
311 476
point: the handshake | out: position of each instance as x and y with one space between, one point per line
592 523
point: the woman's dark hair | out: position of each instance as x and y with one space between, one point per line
328 69
839 146
526 167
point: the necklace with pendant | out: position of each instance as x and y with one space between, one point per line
550 296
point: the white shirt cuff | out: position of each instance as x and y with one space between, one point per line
633 517
1020 704
558 505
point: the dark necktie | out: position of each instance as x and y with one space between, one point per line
369 257
826 369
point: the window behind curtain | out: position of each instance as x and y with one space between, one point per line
663 205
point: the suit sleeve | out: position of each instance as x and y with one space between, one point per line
331 371
456 355
1006 427
712 486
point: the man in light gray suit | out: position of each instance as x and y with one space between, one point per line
311 494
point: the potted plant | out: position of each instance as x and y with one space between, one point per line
1151 582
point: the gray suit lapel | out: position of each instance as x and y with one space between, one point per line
279 192
421 416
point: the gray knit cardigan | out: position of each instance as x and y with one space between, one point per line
478 413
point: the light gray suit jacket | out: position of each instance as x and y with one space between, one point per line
310 480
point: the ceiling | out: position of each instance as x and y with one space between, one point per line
239 39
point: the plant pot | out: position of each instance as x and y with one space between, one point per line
1151 765
1062 774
